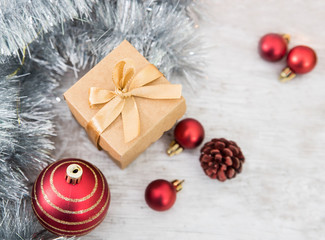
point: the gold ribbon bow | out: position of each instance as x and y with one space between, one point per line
121 101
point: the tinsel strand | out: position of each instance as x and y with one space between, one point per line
21 20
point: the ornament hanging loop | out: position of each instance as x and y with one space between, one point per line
73 174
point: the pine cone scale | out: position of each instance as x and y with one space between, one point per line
231 173
228 161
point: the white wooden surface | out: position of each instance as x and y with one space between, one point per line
280 128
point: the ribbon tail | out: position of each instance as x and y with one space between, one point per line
161 91
103 118
131 120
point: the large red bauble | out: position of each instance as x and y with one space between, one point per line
301 59
272 47
189 133
66 206
160 195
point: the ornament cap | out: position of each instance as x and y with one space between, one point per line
286 75
286 37
73 174
174 149
178 184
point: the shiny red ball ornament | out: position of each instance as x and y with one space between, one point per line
273 47
160 194
188 134
70 197
300 60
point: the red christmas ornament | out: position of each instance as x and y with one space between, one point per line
70 197
188 133
273 47
160 194
300 60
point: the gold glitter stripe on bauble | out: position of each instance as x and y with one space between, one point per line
74 212
65 222
47 225
66 198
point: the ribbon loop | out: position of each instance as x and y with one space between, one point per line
100 96
161 91
141 78
121 101
118 74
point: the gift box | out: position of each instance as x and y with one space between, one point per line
125 104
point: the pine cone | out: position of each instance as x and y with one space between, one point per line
221 159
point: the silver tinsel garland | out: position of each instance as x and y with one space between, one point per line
22 20
163 31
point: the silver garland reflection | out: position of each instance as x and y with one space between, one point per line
79 34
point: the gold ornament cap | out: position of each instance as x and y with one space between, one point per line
178 184
286 75
174 148
73 174
286 37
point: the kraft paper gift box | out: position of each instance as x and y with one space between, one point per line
155 116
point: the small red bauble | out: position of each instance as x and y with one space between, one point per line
300 60
160 194
273 47
188 133
70 197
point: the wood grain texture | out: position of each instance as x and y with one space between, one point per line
280 127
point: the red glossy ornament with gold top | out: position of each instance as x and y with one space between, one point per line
300 60
188 134
160 194
273 47
70 197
